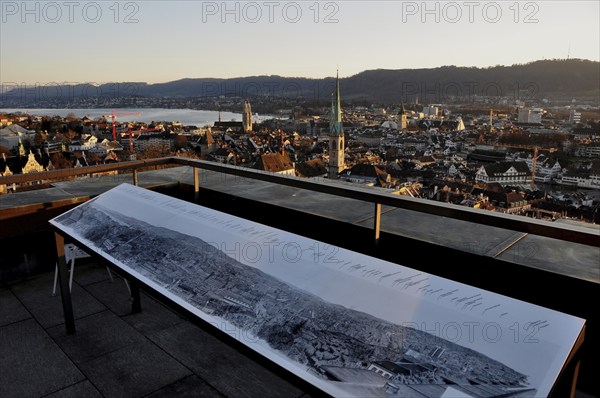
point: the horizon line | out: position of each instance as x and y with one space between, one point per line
70 83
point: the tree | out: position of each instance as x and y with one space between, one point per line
155 150
69 136
38 139
46 124
59 161
391 154
124 155
181 142
27 144
93 159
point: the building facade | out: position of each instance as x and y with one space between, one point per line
574 117
504 173
530 115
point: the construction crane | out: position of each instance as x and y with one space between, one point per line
535 149
282 142
114 116
139 132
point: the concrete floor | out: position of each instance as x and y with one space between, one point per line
115 353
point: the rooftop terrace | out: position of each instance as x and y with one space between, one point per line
115 353
110 352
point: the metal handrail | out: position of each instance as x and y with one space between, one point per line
565 232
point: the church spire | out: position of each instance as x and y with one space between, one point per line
336 110
336 134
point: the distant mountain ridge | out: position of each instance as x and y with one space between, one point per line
552 79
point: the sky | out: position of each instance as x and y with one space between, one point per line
45 42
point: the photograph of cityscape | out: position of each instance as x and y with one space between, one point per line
316 309
386 198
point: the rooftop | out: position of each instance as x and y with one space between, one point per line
111 351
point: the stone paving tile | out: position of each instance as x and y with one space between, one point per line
36 295
79 390
114 295
31 364
191 386
11 310
88 272
154 317
134 371
96 335
116 354
230 372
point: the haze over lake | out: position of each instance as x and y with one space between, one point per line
147 115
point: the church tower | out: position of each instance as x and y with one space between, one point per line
336 134
403 121
247 117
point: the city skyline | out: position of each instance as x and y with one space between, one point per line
166 41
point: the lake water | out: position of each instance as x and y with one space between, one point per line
186 116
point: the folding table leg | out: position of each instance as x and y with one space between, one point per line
136 302
63 279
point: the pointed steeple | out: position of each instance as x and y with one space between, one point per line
336 110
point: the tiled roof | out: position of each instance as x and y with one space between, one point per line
311 168
502 167
365 170
275 162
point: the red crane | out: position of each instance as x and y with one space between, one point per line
131 149
114 116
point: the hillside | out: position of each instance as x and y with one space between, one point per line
540 79
560 80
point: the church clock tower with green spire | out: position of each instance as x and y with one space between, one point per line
336 135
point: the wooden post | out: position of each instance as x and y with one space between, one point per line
135 177
196 184
63 279
377 222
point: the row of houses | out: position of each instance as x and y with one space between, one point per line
42 161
